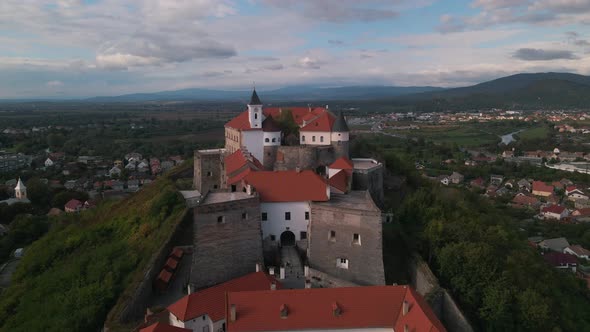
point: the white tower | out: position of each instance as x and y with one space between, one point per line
255 111
20 190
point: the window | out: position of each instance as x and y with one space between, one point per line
356 239
306 215
264 216
342 263
287 215
321 138
244 216
214 186
332 236
209 173
206 328
303 138
302 235
313 138
266 140
273 238
233 188
255 115
220 219
274 140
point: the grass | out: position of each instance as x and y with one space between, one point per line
466 135
534 133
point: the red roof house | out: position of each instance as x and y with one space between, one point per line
73 205
392 307
161 327
339 182
322 123
542 189
288 186
342 163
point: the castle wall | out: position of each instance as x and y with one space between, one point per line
303 156
371 180
208 172
232 140
228 249
365 260
270 156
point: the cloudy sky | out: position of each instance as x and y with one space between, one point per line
79 48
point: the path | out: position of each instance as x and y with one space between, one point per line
294 277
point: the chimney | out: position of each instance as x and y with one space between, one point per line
282 273
232 313
298 169
336 310
257 267
327 107
271 270
284 311
406 308
189 289
273 286
306 270
307 283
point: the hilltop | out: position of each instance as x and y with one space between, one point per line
87 263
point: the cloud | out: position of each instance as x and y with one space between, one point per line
532 54
574 38
54 84
309 63
277 66
335 42
340 11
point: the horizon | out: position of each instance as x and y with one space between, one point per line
76 49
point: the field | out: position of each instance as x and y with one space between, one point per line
535 133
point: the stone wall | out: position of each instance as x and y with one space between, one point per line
441 301
227 249
371 180
208 170
365 260
302 156
322 280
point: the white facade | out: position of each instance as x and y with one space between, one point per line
255 116
252 141
272 138
199 324
575 195
276 223
332 172
567 250
48 162
339 136
552 215
315 137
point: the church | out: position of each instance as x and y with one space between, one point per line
284 182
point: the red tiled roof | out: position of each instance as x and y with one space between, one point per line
541 186
579 250
339 181
558 209
171 263
73 204
241 122
211 301
524 200
161 327
560 259
239 159
323 122
288 186
165 275
313 308
298 113
571 188
342 163
239 177
582 212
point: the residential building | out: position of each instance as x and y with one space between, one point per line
561 261
556 244
577 251
557 212
73 205
542 189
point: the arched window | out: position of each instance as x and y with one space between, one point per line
303 138
313 138
266 140
321 138
255 115
274 140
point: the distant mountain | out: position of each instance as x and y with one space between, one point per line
292 93
538 90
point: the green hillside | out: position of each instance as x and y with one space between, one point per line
71 277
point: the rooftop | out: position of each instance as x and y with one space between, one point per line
354 200
288 186
220 197
365 163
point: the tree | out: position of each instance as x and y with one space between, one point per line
38 192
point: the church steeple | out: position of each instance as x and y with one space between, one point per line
254 100
20 191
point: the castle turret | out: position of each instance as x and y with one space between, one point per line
340 136
255 111
20 190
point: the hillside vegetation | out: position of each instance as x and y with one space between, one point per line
71 277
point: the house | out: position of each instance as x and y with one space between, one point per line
378 308
559 260
205 309
49 162
155 166
444 179
163 327
557 212
73 205
508 154
525 201
573 193
502 191
133 185
131 165
577 251
133 156
584 212
496 180
556 244
115 171
143 166
166 165
456 178
177 160
117 185
542 189
509 184
524 184
478 183
54 212
70 184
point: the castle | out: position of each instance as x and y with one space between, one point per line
285 180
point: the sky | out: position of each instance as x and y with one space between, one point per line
84 48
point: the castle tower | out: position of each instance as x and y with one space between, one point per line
340 136
255 111
20 190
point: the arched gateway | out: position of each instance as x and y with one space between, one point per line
287 238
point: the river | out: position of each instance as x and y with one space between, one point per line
509 138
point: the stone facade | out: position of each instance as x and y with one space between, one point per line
227 238
209 171
301 156
370 179
347 227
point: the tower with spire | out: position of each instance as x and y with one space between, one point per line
255 111
20 191
340 136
